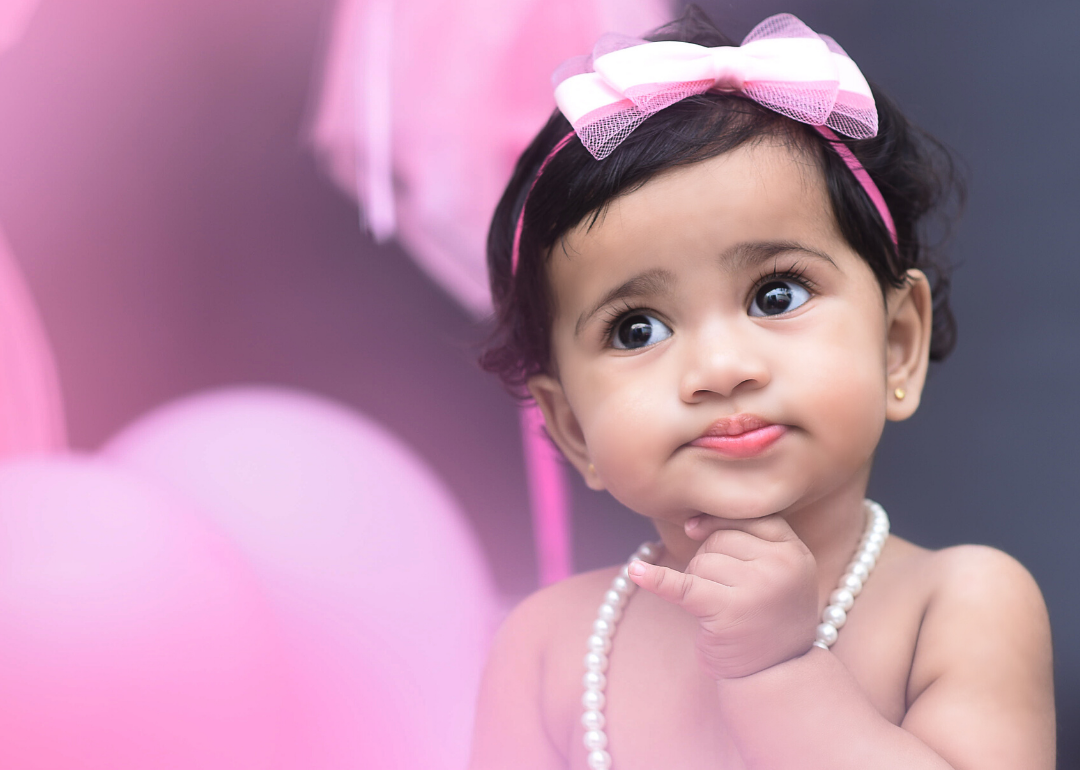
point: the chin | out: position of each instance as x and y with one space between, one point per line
752 503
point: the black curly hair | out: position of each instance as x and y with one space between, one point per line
914 172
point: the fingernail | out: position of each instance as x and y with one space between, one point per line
636 568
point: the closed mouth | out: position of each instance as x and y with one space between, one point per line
740 436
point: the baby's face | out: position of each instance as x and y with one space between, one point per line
720 299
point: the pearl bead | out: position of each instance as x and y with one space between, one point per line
624 573
599 760
593 700
595 740
621 584
834 615
602 627
602 644
646 552
614 598
594 680
867 559
826 633
851 583
859 570
596 661
609 613
841 597
593 720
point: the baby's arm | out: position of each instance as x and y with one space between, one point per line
509 731
981 687
980 692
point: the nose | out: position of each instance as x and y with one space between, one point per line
722 361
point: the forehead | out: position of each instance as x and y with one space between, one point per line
766 191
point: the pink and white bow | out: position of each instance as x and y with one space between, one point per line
782 65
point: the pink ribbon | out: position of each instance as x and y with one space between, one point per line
782 65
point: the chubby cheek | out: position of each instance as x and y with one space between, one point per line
622 420
844 394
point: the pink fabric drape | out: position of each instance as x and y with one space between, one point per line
425 106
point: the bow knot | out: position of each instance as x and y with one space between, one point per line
729 68
782 64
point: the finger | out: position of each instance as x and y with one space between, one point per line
721 568
736 544
772 527
696 595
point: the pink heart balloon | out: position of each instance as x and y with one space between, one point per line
132 635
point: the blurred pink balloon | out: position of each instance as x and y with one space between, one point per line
385 599
31 415
131 634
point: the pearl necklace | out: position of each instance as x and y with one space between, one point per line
599 643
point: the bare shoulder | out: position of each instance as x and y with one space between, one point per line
978 595
515 718
966 579
977 572
977 589
983 657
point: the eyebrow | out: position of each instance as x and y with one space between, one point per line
648 283
744 255
658 280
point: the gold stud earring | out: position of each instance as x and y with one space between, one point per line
899 393
592 469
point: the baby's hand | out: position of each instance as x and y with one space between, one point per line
753 587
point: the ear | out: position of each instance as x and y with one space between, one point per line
563 427
910 314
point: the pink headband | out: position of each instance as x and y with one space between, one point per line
782 65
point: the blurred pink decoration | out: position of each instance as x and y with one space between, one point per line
425 107
31 415
132 635
384 597
14 16
547 493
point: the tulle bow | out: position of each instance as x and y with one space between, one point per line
782 65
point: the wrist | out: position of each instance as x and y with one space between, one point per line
815 662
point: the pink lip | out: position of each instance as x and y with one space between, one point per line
740 436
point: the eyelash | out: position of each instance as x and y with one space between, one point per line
617 313
796 273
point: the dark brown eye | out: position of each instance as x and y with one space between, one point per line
776 297
639 330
